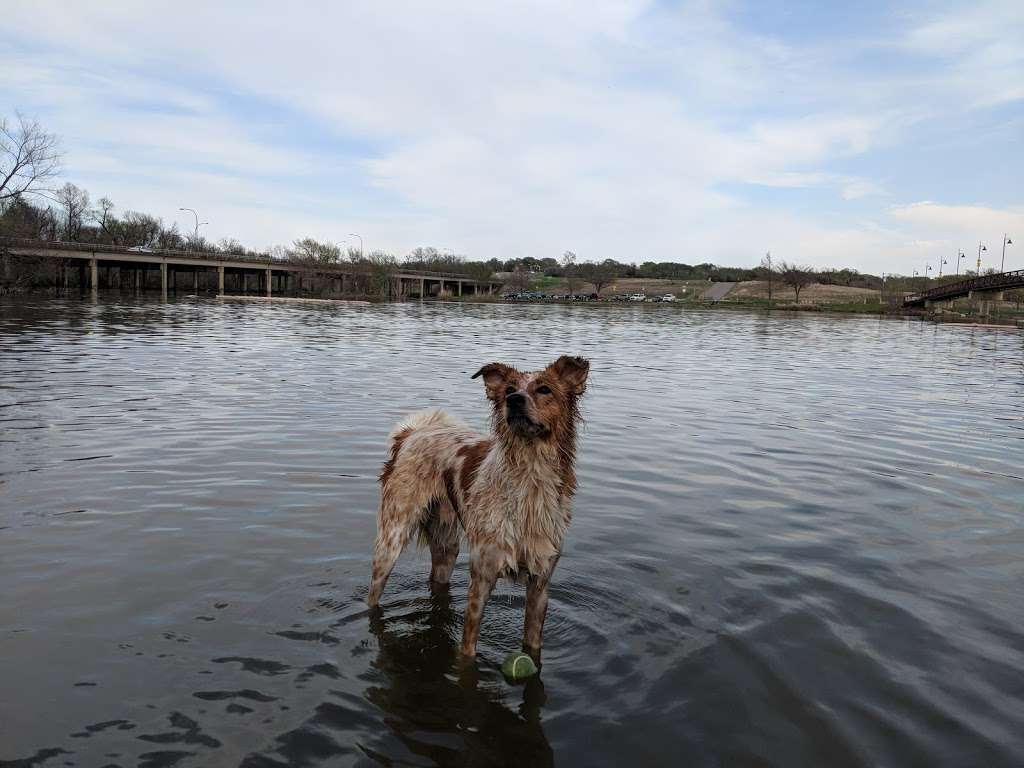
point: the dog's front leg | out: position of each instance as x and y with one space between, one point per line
483 573
536 611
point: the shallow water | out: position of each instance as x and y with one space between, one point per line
797 541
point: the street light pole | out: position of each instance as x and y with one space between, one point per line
960 255
980 249
195 235
1006 241
353 234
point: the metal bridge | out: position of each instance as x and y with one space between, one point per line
269 273
986 288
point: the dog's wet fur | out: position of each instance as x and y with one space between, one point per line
510 491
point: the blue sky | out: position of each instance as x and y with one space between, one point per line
880 136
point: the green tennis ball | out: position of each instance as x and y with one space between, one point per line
518 666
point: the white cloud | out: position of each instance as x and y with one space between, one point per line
962 222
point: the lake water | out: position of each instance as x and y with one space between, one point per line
798 541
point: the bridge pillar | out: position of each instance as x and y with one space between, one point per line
460 288
220 280
94 277
270 277
163 280
195 280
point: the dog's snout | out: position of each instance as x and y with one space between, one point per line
516 400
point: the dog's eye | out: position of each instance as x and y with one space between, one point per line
543 389
510 390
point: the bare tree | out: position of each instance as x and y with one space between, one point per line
796 277
75 205
313 251
768 270
231 245
570 271
140 229
29 157
103 215
168 237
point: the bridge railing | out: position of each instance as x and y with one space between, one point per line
217 256
983 283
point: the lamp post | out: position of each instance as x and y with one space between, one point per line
960 256
195 234
1006 241
980 249
927 269
941 262
353 234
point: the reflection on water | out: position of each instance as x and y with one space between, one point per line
797 541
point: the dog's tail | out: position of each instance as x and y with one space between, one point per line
434 417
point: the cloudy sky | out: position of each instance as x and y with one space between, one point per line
879 136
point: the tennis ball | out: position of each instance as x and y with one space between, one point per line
518 666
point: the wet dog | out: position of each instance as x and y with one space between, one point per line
510 491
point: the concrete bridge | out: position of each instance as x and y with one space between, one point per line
984 290
235 274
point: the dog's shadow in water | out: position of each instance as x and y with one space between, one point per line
437 705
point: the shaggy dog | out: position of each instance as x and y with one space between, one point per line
511 491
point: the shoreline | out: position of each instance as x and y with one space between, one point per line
286 299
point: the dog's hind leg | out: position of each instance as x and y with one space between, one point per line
393 532
441 530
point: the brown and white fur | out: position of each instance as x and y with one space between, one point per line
511 491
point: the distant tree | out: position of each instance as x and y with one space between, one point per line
569 270
232 246
74 204
103 215
141 229
767 271
600 274
29 158
382 267
311 251
479 270
519 280
19 218
796 277
169 238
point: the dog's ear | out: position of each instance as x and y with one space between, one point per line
572 372
495 375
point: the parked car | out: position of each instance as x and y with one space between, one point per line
140 249
638 297
667 297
